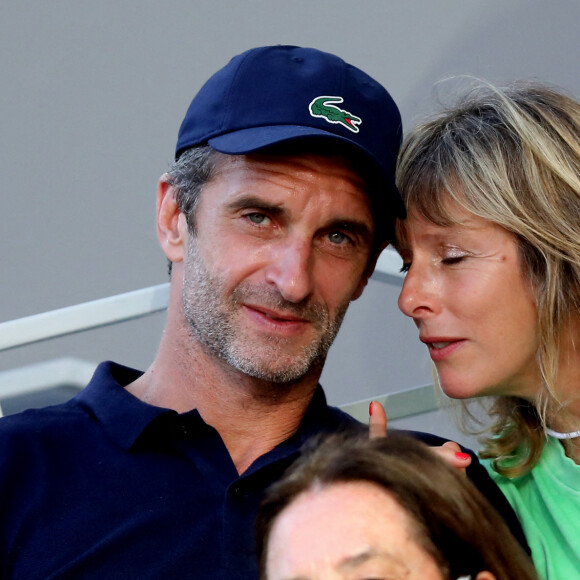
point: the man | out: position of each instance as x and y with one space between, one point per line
272 217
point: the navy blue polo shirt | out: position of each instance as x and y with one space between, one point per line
107 486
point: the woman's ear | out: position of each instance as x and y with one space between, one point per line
171 223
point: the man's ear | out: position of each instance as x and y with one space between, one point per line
368 271
171 223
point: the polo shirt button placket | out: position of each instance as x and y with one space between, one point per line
237 491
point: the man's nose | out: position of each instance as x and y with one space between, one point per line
290 270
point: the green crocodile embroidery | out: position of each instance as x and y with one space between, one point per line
324 107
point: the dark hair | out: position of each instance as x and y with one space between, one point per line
188 174
454 523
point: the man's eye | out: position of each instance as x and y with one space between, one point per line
257 218
338 237
405 267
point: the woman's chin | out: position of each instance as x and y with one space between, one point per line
460 390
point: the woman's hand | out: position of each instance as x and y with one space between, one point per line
449 451
377 420
452 454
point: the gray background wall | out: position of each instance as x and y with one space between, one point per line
92 95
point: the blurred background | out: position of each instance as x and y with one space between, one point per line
92 97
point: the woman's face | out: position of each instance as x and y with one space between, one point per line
474 309
346 531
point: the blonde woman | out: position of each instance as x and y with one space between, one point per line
491 248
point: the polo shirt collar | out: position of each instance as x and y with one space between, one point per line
122 415
125 417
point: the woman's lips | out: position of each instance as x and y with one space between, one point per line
441 348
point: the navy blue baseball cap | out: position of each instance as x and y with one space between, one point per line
277 94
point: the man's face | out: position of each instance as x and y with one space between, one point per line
281 247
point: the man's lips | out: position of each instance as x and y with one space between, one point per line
275 318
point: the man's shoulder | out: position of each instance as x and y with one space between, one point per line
428 438
476 472
36 424
339 419
109 379
481 479
41 425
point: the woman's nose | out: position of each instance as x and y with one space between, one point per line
418 296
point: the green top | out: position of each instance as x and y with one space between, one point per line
547 502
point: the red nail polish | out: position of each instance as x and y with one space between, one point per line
462 456
371 408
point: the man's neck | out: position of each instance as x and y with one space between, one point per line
252 416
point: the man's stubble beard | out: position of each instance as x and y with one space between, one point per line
213 321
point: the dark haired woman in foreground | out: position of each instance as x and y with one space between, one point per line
385 508
492 252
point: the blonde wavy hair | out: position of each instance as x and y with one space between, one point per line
510 156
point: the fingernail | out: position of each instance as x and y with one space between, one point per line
462 456
371 407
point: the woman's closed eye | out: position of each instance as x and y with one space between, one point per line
451 255
453 260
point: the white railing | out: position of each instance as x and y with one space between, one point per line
139 303
72 372
80 317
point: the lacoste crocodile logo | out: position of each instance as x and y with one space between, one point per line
323 107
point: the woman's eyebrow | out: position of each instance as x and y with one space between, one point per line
351 562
